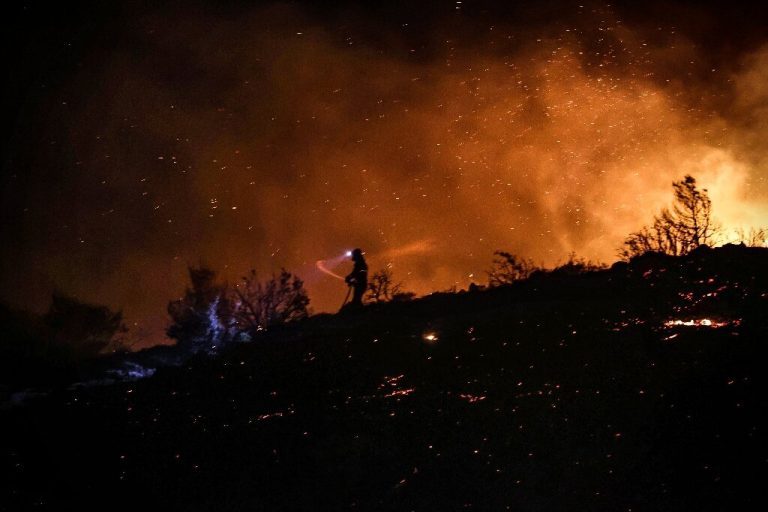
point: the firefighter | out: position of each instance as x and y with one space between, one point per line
358 278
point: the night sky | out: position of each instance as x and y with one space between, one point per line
139 139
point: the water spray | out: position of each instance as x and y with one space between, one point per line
332 262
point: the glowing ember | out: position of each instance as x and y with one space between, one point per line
701 322
471 398
400 392
392 381
430 337
263 417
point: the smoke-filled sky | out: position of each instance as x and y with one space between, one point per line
140 139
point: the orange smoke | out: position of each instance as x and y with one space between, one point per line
272 140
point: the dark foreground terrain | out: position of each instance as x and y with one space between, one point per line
569 391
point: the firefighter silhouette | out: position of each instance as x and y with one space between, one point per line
358 278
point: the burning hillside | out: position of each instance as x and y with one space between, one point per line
636 387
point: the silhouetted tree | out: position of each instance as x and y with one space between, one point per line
679 230
203 318
382 286
260 305
84 329
508 268
51 348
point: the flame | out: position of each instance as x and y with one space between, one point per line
701 322
430 337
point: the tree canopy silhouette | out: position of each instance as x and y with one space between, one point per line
212 314
508 268
259 305
86 329
679 229
199 318
382 287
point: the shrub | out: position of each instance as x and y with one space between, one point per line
84 329
259 305
383 288
578 265
508 268
202 319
